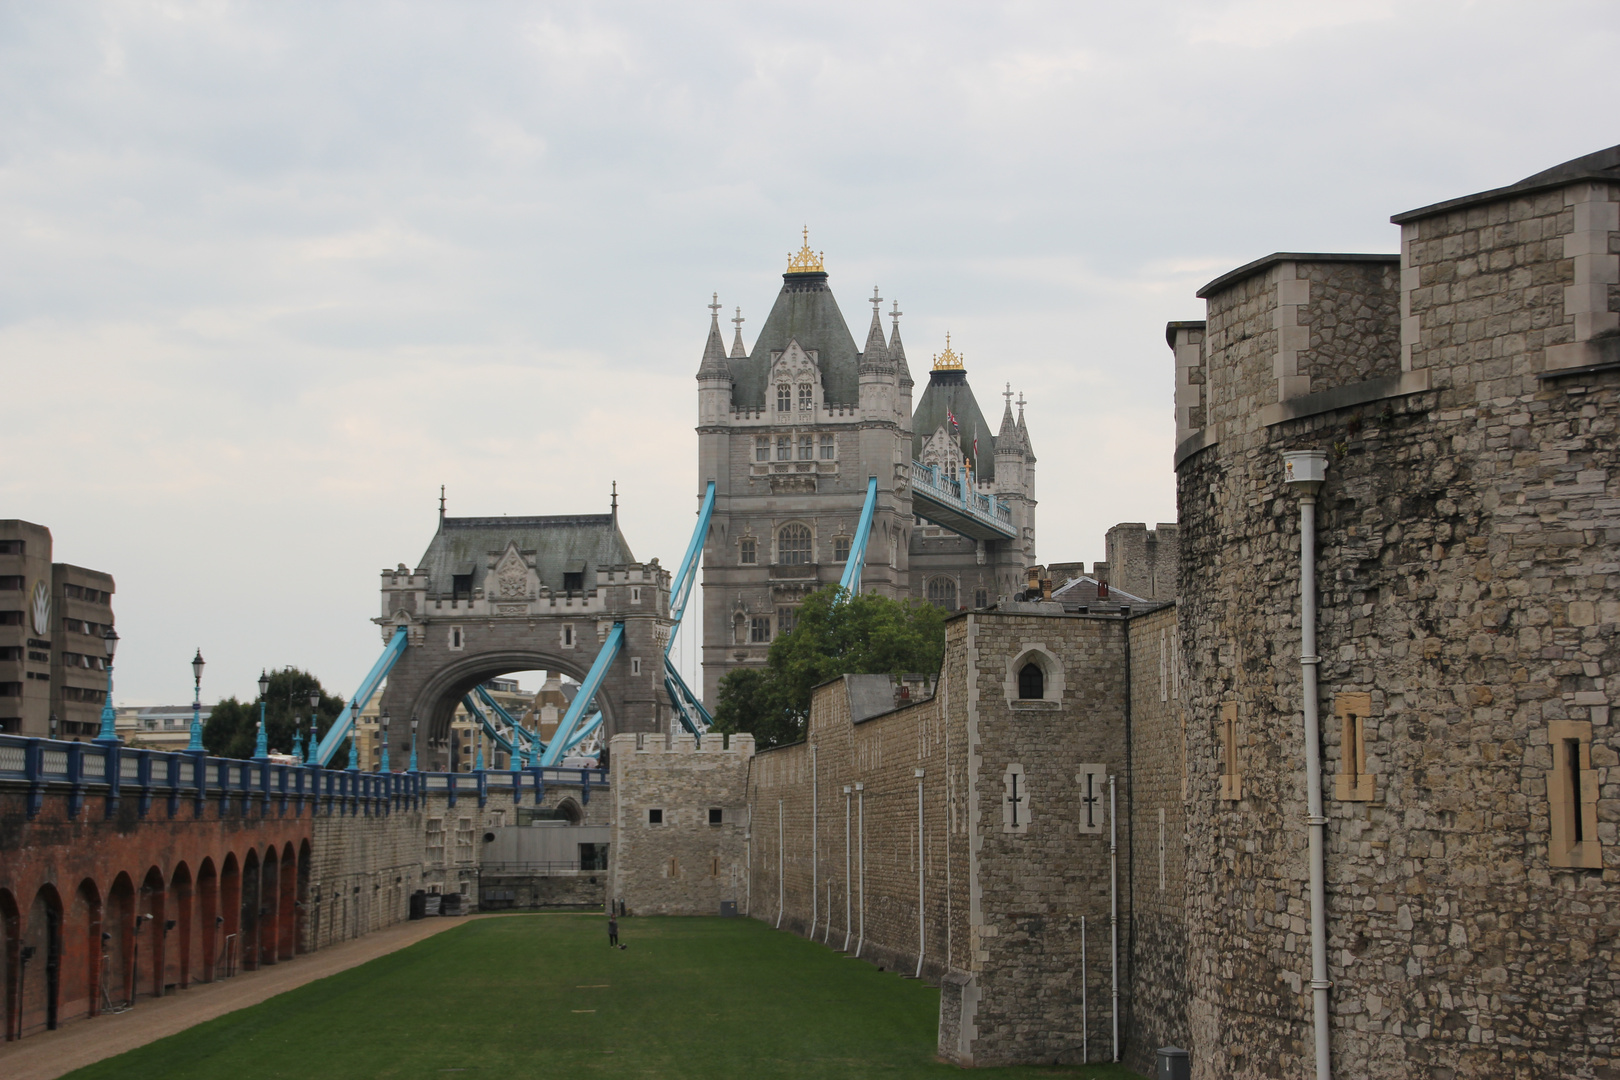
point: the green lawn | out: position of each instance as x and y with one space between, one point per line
543 995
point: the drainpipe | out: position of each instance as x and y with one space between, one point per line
1113 909
1304 471
860 795
781 868
815 847
846 868
922 937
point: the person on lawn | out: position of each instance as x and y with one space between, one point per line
613 930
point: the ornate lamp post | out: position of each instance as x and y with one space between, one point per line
314 715
261 749
382 761
197 663
109 719
413 743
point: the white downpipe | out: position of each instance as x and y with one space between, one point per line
815 850
1085 1016
781 867
846 868
860 790
922 937
1113 909
1305 470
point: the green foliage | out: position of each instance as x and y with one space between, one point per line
835 634
233 728
544 996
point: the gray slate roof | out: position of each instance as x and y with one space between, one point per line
950 389
567 543
1602 165
804 311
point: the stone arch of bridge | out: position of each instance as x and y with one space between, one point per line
435 703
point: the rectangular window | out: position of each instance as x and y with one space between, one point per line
11 583
829 447
13 547
573 581
716 815
11 652
655 817
568 635
981 598
1353 783
759 629
464 839
784 397
784 448
10 689
807 397
635 667
1231 779
747 551
807 447
435 840
11 618
635 594
786 619
762 448
840 549
1572 792
461 586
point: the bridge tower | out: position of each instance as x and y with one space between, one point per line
498 594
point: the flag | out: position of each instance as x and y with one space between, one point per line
952 418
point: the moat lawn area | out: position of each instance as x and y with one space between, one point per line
543 995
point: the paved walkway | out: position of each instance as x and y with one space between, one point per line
83 1042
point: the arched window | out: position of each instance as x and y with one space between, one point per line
1031 682
784 397
807 398
942 593
793 545
746 551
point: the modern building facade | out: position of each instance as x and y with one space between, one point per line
790 433
53 616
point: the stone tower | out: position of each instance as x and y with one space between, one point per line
789 433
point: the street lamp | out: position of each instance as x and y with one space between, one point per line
53 725
261 749
382 764
109 719
413 743
354 738
196 702
314 714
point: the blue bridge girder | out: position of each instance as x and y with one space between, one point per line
344 724
952 505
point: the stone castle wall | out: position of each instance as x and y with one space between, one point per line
1468 604
686 863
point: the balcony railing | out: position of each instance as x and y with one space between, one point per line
80 770
944 487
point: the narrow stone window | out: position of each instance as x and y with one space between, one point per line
714 868
1164 668
762 448
716 815
1093 781
1353 783
841 549
784 397
747 551
1015 809
674 867
568 635
655 816
1572 792
635 594
1231 779
829 447
457 641
807 398
981 598
635 667
784 448
1031 682
1161 849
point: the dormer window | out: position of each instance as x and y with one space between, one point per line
461 586
784 397
806 397
574 581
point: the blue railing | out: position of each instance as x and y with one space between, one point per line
946 488
116 773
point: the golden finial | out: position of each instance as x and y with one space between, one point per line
947 360
807 261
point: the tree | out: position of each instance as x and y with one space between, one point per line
232 729
834 634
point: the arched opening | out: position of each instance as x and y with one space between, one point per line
8 962
229 920
117 943
81 971
568 810
942 592
151 912
177 938
269 906
287 901
793 543
1031 682
40 963
248 935
532 689
208 921
303 936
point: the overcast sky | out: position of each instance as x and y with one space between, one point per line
271 273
